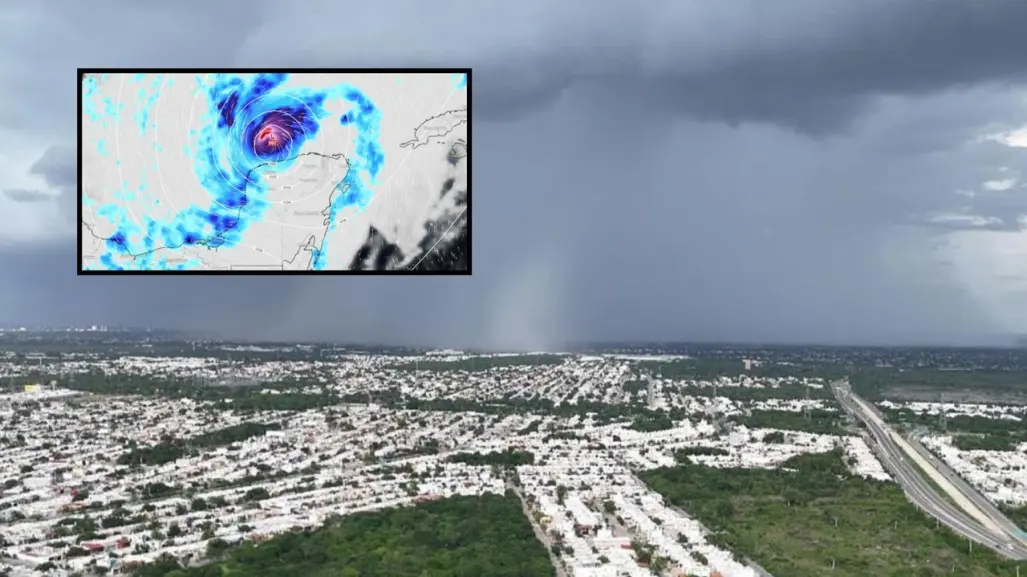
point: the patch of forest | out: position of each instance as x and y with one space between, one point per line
479 536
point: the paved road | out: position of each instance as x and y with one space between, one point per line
975 525
982 502
540 534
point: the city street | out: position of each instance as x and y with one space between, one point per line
540 533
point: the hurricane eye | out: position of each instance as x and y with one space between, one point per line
273 135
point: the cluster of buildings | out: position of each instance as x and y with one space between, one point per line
1000 475
988 411
69 500
583 379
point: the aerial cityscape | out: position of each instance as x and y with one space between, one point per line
750 294
138 452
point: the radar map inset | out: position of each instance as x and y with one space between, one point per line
274 171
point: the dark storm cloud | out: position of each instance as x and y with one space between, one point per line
664 170
911 159
57 167
661 241
25 195
807 64
47 40
887 48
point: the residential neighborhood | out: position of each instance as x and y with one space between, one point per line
109 479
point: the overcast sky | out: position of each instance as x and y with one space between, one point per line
793 171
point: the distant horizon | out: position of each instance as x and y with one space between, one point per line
1011 342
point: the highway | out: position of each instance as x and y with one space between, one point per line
979 500
907 466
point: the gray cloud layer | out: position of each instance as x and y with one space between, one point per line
679 170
